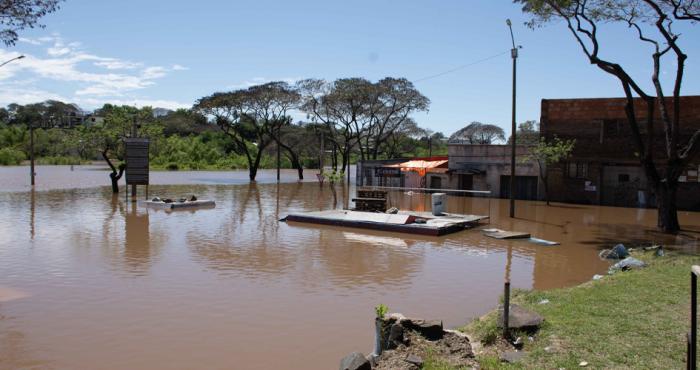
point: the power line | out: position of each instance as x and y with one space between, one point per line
461 67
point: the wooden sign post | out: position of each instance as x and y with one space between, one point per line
136 171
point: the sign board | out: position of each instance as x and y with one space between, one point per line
136 161
588 186
387 172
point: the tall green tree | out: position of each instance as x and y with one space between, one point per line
479 133
652 23
528 133
120 122
250 116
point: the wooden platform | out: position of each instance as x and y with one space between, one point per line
503 234
180 205
403 222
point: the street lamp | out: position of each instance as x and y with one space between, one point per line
11 60
514 55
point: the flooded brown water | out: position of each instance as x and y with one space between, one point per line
89 281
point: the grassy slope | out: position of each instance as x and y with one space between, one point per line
635 319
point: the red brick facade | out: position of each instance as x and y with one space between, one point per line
604 167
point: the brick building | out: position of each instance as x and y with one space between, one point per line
604 168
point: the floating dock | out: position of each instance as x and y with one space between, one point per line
421 223
190 204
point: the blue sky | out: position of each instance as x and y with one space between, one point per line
169 53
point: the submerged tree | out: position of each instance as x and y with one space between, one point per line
108 137
251 116
16 15
479 133
651 21
547 153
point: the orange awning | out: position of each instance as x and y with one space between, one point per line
420 166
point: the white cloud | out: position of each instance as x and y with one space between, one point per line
57 51
89 76
30 41
118 64
27 96
259 81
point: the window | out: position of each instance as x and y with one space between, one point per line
577 170
623 177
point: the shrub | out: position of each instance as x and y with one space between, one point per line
11 157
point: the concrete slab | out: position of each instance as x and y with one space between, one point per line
401 222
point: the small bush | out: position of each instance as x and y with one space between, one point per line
11 157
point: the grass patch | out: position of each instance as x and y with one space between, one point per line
634 319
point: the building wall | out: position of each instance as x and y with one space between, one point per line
604 146
491 162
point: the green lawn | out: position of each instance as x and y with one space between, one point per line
635 319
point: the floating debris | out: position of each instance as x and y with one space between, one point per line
504 234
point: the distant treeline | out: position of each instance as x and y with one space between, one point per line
350 119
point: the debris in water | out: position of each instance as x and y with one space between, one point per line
503 234
618 252
543 242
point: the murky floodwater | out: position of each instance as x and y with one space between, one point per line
89 281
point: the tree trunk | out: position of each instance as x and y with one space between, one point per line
667 210
253 170
546 189
115 182
116 174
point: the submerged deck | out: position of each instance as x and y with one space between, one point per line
403 222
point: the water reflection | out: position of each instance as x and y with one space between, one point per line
117 278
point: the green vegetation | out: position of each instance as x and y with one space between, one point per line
380 310
11 157
634 319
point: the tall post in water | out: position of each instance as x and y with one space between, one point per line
323 152
278 153
514 55
32 174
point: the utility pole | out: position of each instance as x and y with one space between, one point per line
32 174
278 154
514 55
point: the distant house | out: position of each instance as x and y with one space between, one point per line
487 167
604 168
418 172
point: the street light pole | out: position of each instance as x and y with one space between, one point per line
13 59
514 55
